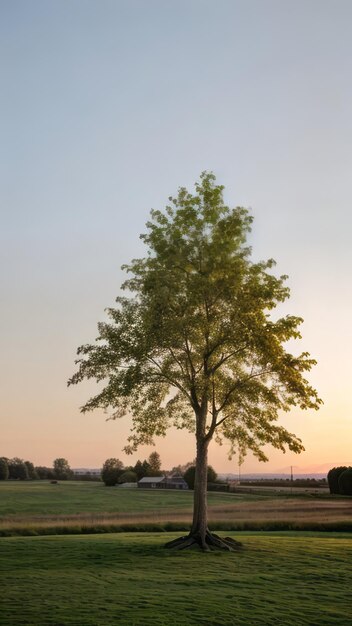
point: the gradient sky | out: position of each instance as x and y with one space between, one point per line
107 107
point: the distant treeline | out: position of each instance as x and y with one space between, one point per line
18 469
113 472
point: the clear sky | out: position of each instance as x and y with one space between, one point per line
107 107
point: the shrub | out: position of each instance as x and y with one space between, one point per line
189 476
128 477
345 482
333 478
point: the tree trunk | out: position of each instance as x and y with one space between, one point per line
200 513
200 535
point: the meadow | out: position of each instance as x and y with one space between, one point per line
39 507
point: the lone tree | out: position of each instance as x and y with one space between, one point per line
194 344
111 471
62 470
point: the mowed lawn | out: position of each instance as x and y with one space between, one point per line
130 579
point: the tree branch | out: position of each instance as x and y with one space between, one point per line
170 380
185 374
226 358
238 384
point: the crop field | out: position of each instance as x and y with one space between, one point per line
132 580
40 507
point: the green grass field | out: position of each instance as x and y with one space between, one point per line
21 498
31 508
130 579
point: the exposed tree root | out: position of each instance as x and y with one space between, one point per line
211 542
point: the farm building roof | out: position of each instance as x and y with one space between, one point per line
151 479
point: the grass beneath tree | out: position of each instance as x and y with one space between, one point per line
130 579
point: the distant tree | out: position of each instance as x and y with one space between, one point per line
195 343
345 482
32 474
62 470
112 470
147 470
139 470
143 468
333 478
128 477
17 469
212 475
190 475
154 462
181 469
44 473
4 469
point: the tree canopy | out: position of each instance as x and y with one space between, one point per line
62 470
111 471
194 342
154 462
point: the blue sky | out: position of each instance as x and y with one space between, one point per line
107 108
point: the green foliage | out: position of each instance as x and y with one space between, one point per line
190 473
32 473
4 469
62 470
154 462
44 473
333 478
128 477
345 482
143 468
17 469
112 470
196 344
